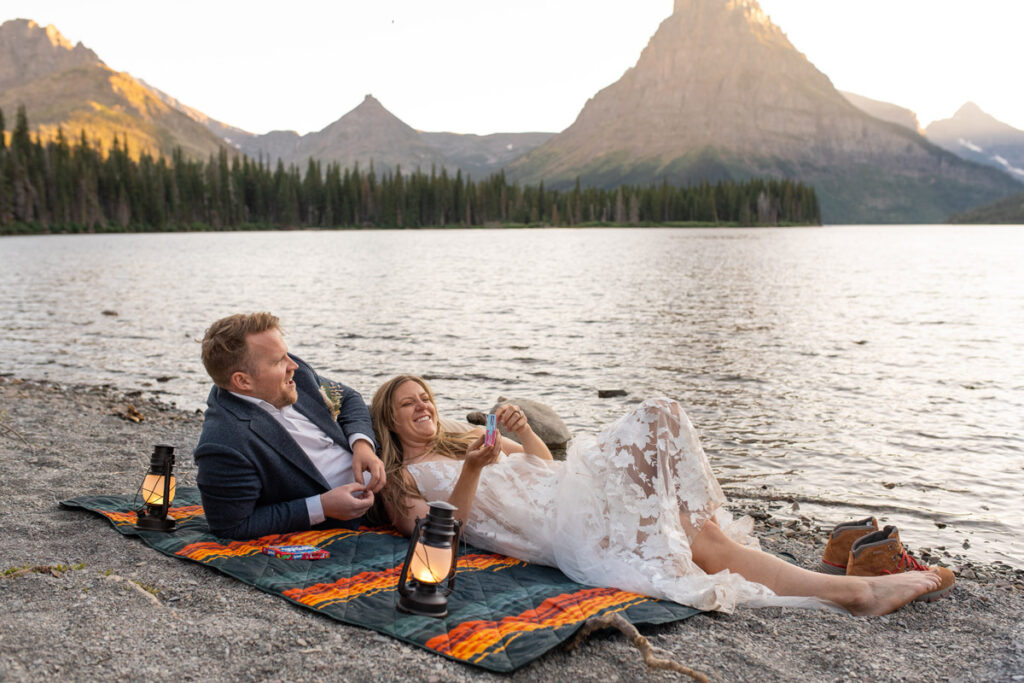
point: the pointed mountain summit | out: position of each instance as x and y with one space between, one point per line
69 87
370 133
720 92
29 51
975 135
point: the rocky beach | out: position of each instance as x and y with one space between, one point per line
85 603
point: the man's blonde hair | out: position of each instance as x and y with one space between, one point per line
225 350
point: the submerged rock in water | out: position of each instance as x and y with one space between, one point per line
611 393
545 423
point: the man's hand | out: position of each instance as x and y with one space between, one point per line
342 502
365 460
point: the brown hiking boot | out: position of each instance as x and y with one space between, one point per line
881 552
840 540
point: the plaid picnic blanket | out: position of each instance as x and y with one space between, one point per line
503 613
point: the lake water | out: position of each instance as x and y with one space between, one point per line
862 370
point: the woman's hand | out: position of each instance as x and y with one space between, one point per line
479 456
512 418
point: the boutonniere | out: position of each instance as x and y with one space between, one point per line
331 399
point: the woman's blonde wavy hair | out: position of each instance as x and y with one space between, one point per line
400 487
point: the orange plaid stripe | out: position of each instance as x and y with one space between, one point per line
348 588
210 550
178 513
473 640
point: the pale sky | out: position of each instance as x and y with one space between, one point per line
479 66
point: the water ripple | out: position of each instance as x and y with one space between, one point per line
825 364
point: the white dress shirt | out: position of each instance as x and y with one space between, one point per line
332 459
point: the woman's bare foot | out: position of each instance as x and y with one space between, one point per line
884 594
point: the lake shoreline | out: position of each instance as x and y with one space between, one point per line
22 230
61 441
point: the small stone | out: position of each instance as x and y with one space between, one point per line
611 393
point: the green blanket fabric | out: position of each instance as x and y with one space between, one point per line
504 613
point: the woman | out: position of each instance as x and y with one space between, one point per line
637 508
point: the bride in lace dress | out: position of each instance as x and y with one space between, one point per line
636 508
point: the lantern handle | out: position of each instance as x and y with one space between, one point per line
404 576
455 557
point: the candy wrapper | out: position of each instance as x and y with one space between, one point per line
296 552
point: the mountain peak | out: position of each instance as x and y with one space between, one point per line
745 13
369 133
717 73
57 39
369 112
970 111
29 51
721 93
370 104
976 135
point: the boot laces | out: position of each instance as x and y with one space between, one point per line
907 563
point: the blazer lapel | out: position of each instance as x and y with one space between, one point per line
310 403
314 408
274 435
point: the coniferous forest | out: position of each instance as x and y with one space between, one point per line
72 186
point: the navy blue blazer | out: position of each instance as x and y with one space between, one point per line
253 477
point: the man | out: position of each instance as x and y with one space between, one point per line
271 457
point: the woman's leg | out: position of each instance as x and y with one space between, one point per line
713 551
665 459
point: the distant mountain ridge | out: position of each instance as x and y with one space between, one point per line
1006 211
975 135
69 87
371 133
720 92
886 111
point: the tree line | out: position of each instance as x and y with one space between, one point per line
64 186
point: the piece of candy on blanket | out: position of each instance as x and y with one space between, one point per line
296 552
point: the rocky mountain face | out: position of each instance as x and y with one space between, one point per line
975 135
229 134
720 92
368 133
29 52
68 87
893 113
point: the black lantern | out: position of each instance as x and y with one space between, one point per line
428 573
158 491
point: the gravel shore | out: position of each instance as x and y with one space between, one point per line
83 603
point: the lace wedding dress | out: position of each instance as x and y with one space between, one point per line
619 511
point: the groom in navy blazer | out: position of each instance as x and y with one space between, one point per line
272 458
